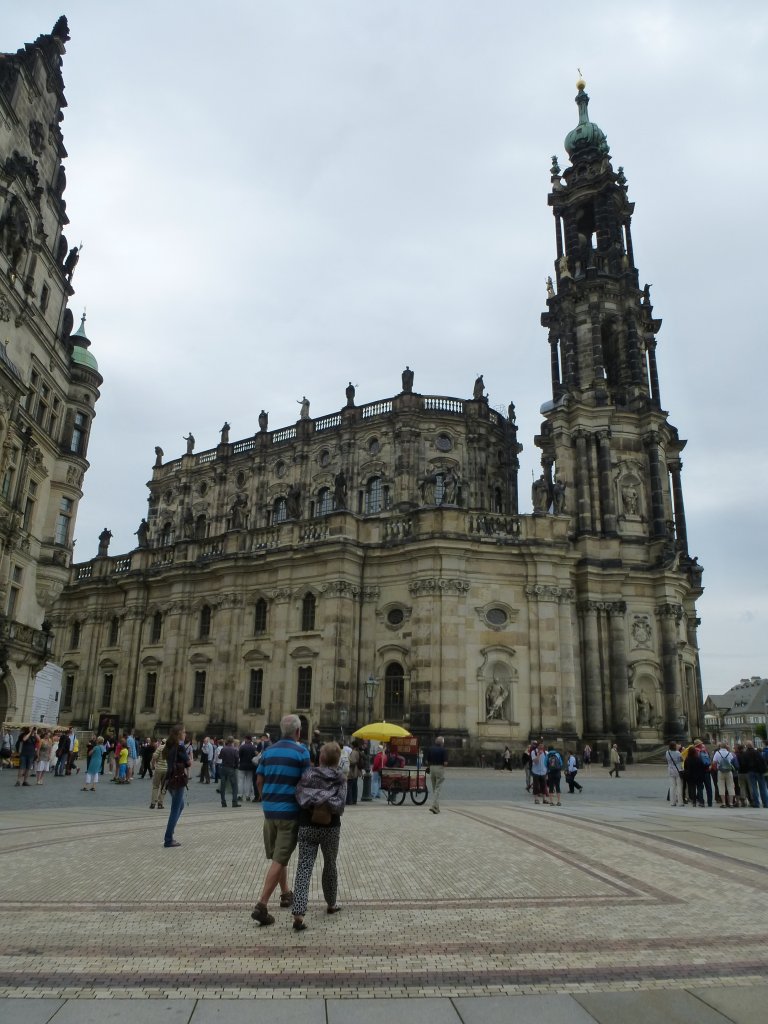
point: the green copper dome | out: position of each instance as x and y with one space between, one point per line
586 134
80 354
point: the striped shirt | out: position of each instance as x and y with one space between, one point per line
282 765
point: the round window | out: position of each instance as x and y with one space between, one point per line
444 443
395 616
496 616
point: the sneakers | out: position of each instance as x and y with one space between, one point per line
262 915
173 842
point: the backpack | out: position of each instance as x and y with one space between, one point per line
706 760
554 761
321 815
724 764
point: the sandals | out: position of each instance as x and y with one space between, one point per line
262 915
286 899
299 926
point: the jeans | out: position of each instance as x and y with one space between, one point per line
177 806
757 784
708 788
228 778
351 792
375 785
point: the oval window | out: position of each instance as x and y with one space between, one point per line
395 616
496 616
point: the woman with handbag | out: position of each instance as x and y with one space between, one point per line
176 776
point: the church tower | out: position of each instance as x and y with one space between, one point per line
611 461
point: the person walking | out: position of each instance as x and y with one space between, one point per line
615 759
281 766
554 772
246 753
572 767
160 767
26 745
437 762
378 764
539 772
176 778
353 774
723 764
321 795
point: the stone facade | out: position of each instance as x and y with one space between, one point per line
49 382
277 573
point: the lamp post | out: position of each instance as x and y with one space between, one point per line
371 686
342 722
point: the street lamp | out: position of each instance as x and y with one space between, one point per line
371 686
342 722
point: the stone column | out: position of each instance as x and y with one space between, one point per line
675 469
569 352
567 665
598 374
606 491
594 725
658 526
583 512
633 352
669 616
619 677
554 361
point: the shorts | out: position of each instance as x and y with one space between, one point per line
26 762
539 784
280 838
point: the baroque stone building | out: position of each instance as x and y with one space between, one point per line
386 541
49 381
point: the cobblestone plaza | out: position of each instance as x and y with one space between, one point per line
614 901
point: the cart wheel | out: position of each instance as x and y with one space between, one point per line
419 796
396 796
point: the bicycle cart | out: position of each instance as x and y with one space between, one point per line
409 777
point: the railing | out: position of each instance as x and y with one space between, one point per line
286 434
328 422
209 456
122 564
434 403
244 446
84 572
376 409
487 524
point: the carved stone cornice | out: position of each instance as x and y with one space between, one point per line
438 584
339 588
610 607
603 435
371 593
543 592
280 594
670 611
652 439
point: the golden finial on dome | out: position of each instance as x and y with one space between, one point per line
580 82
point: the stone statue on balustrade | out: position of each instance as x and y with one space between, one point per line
104 538
540 495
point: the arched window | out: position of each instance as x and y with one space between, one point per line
498 504
308 606
279 511
114 632
205 622
394 691
373 495
324 502
74 640
156 628
166 535
304 689
260 616
255 689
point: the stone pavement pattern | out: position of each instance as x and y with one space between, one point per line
613 905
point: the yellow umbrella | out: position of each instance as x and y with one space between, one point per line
380 731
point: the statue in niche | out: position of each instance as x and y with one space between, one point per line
407 380
158 456
14 232
478 391
104 538
187 524
340 490
304 411
237 513
263 420
293 502
190 439
350 393
540 494
643 709
558 496
142 534
450 487
631 500
495 697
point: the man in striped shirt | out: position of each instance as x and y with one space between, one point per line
281 766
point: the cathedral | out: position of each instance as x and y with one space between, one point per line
49 381
379 560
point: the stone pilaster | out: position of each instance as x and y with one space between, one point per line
669 617
658 524
595 723
607 502
583 513
619 675
675 470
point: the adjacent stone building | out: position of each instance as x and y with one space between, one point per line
49 381
377 560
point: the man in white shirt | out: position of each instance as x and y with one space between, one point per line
570 773
723 764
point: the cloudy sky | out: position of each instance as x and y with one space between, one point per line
277 196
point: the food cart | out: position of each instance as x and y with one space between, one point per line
410 777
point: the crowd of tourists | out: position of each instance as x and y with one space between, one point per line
544 768
722 777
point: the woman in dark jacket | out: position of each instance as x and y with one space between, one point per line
695 770
176 776
321 795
